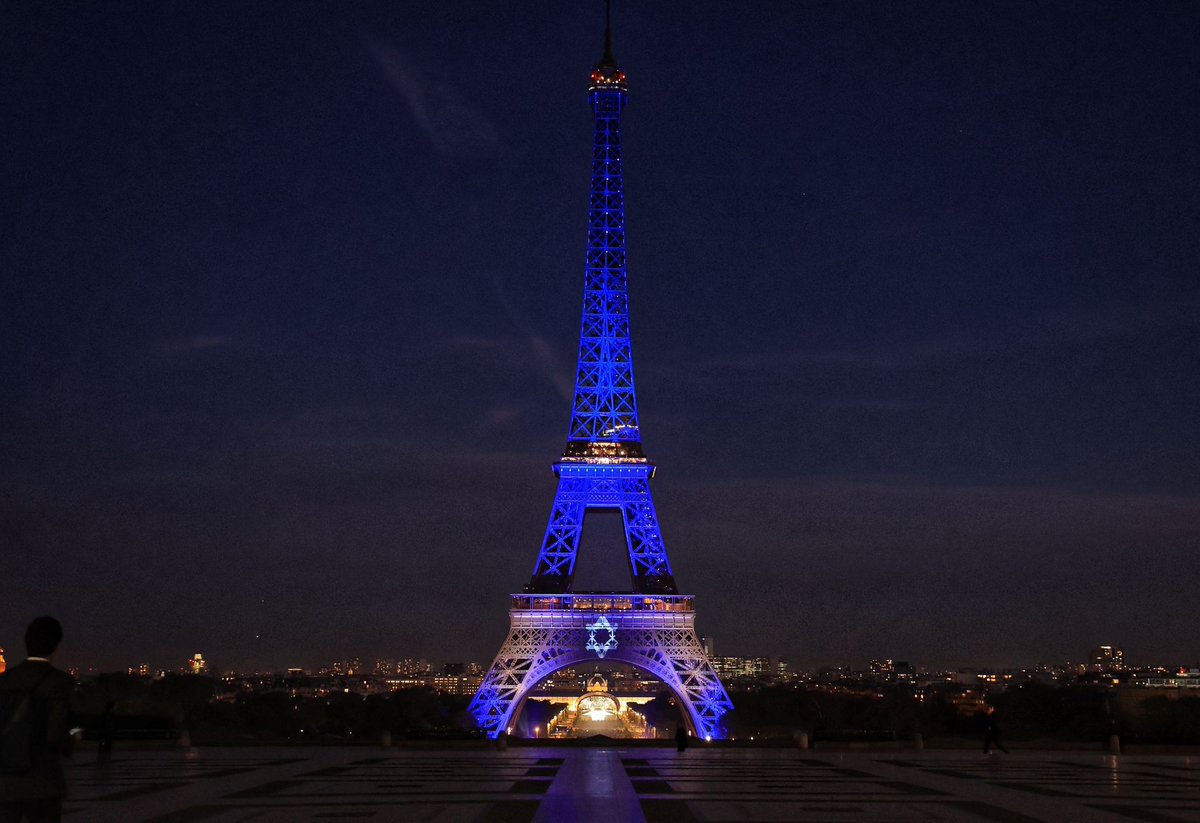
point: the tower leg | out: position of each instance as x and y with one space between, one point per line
556 560
622 487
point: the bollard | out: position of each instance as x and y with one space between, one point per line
1114 744
918 742
385 740
802 740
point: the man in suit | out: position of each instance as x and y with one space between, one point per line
36 795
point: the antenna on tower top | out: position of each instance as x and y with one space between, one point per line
608 55
607 74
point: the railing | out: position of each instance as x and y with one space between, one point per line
604 601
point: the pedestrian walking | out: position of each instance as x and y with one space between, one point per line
991 731
107 727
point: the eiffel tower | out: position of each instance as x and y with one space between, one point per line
603 466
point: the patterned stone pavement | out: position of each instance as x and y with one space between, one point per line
550 784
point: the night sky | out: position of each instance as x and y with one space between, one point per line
290 294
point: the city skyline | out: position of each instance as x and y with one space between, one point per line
281 291
1099 657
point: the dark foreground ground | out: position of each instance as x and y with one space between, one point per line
614 785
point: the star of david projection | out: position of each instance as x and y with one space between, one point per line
610 643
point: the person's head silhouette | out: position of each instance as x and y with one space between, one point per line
43 636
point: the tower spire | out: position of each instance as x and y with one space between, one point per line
604 418
606 73
608 55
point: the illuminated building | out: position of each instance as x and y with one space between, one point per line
598 711
603 467
197 665
3 665
1181 679
413 668
1106 659
730 668
882 669
447 683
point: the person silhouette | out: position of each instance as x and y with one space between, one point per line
991 731
34 789
106 727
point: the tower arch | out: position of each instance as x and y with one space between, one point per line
654 634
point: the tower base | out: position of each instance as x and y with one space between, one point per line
655 633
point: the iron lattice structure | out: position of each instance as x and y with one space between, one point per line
603 467
655 633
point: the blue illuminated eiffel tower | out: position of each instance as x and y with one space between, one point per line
603 467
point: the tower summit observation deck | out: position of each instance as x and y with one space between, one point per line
603 467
